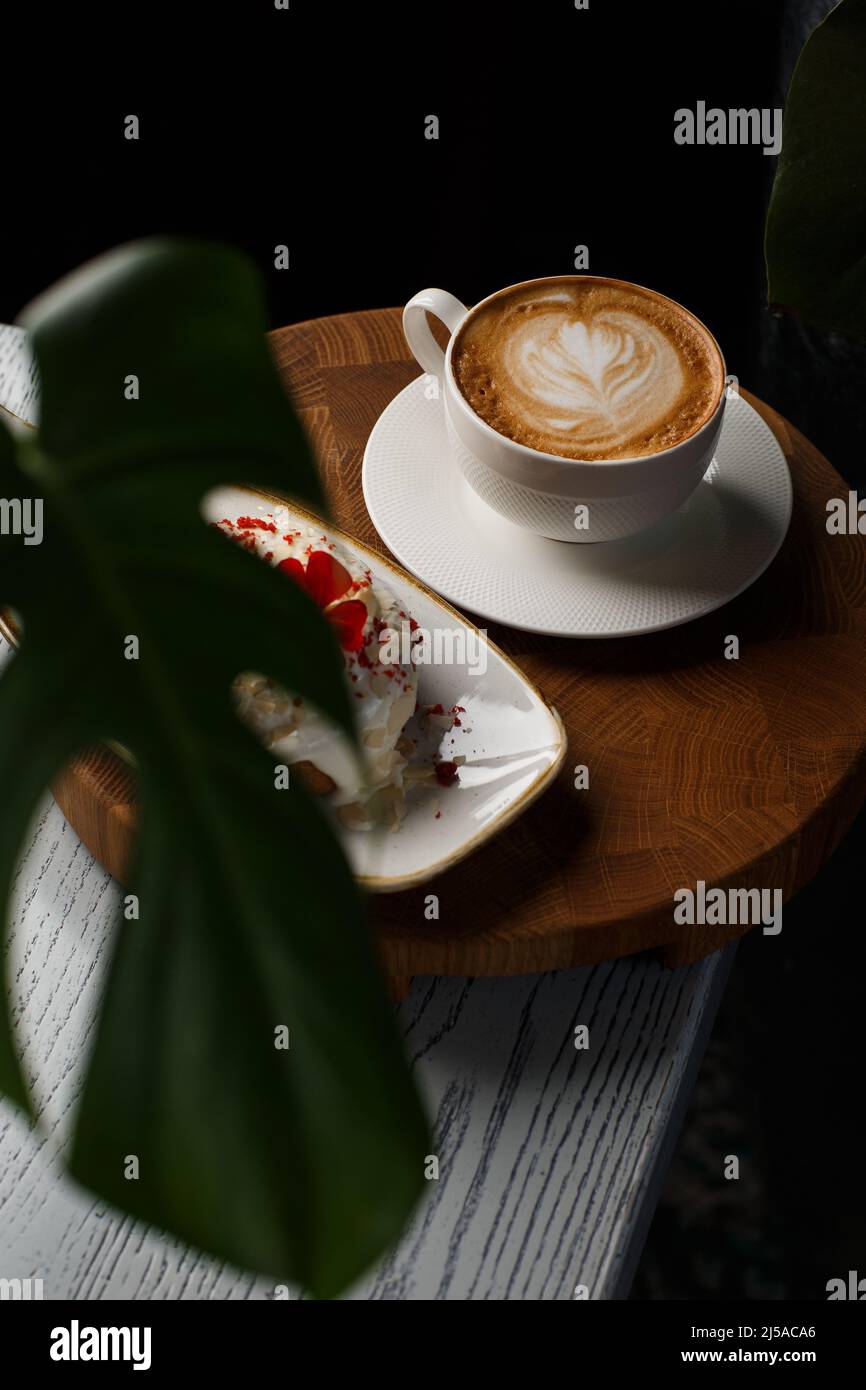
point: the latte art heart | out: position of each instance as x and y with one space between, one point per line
588 368
600 382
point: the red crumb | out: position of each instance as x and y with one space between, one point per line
446 773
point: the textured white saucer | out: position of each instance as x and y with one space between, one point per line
700 557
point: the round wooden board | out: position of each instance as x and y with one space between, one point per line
742 773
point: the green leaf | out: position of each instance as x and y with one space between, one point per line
302 1164
815 242
189 321
299 1163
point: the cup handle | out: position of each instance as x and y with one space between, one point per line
425 349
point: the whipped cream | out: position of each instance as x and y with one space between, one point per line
384 692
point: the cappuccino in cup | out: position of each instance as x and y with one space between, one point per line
583 408
588 368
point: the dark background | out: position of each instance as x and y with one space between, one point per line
307 128
261 127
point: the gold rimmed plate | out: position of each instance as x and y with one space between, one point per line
510 741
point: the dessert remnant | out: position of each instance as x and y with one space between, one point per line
360 608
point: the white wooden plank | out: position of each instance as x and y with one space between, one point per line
19 387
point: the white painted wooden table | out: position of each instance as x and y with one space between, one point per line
550 1158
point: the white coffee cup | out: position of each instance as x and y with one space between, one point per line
563 498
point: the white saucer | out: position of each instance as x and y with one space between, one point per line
699 558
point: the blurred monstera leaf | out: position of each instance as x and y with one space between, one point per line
302 1163
816 225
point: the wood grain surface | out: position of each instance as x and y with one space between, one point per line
740 773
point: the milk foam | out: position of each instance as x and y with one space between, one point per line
593 370
601 382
